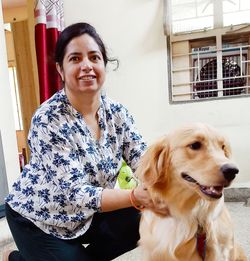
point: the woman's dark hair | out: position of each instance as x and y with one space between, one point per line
76 30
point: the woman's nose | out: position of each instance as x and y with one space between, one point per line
86 66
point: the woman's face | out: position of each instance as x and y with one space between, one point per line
83 69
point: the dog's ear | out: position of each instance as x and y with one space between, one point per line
153 168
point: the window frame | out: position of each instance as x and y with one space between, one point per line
218 33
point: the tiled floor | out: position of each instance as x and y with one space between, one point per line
240 215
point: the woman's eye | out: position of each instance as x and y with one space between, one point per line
95 58
74 59
195 146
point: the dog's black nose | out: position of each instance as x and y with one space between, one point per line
229 171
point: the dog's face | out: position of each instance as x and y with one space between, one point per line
195 157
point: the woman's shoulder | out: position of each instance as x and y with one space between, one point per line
115 107
51 108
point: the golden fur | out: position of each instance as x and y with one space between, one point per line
184 172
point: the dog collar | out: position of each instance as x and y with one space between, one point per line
201 242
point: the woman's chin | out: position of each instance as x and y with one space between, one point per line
89 89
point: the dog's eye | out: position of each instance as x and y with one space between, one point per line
195 146
223 146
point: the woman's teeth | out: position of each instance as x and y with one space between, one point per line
86 78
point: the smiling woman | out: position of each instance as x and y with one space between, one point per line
65 196
82 71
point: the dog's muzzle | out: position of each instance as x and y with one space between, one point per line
228 171
210 191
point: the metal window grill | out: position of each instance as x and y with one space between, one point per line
206 85
207 78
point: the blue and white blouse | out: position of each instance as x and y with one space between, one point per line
60 188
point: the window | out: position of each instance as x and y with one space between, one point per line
209 49
191 15
15 98
14 89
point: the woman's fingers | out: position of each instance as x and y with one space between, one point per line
143 198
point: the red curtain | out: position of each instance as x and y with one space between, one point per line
49 23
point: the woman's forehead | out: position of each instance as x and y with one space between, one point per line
82 43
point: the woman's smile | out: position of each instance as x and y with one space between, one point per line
83 67
88 79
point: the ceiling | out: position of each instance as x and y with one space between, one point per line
13 3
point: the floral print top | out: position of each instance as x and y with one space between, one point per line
60 189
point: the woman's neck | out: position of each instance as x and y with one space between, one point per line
86 104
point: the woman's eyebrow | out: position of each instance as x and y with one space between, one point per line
73 53
79 53
94 51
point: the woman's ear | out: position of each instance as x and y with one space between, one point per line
60 71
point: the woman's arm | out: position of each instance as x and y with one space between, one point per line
113 199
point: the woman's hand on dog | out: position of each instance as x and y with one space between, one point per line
143 198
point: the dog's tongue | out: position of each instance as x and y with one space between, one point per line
215 192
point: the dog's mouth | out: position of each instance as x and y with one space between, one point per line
210 191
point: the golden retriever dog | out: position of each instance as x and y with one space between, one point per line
187 171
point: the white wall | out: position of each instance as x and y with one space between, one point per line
133 32
7 126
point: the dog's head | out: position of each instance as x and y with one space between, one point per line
195 157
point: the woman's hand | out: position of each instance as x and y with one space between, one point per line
143 198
